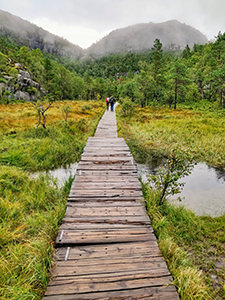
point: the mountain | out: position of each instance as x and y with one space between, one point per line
173 35
27 34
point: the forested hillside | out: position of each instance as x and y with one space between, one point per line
156 77
173 34
27 34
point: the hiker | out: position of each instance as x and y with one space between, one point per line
112 102
107 103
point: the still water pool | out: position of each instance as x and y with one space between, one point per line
62 174
203 192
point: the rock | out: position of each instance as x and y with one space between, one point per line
17 65
34 84
2 86
24 74
21 86
19 95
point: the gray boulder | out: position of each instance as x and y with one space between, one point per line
19 95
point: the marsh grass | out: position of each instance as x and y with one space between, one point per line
36 149
157 132
32 209
17 117
193 246
185 241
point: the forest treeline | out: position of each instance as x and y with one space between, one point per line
153 77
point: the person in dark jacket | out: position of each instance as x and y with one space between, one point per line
112 102
107 103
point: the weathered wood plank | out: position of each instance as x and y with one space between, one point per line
115 220
148 293
94 266
87 286
109 203
104 211
149 248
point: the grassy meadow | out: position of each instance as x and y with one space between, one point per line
154 133
193 246
61 143
31 209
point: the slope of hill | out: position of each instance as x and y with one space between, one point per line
25 33
173 35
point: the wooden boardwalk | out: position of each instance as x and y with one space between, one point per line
106 248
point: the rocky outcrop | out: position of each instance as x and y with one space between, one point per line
21 86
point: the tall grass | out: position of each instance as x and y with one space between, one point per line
156 132
60 144
31 209
192 246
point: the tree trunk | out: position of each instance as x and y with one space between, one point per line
175 95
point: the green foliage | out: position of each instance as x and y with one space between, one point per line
31 210
43 149
65 111
193 246
166 180
127 107
154 76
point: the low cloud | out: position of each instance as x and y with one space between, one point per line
85 21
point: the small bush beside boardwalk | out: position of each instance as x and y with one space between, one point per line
31 209
193 246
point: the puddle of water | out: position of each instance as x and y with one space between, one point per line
61 174
203 192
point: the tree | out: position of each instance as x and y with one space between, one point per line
157 54
166 180
41 107
65 111
180 80
157 71
186 52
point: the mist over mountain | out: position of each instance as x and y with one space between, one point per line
25 33
173 35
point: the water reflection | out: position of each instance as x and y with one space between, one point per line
61 174
203 192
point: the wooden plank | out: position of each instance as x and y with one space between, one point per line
112 265
148 293
126 282
108 185
109 203
106 192
106 179
105 167
106 277
101 173
104 211
99 226
73 198
115 220
70 236
134 249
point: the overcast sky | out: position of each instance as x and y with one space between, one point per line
83 22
